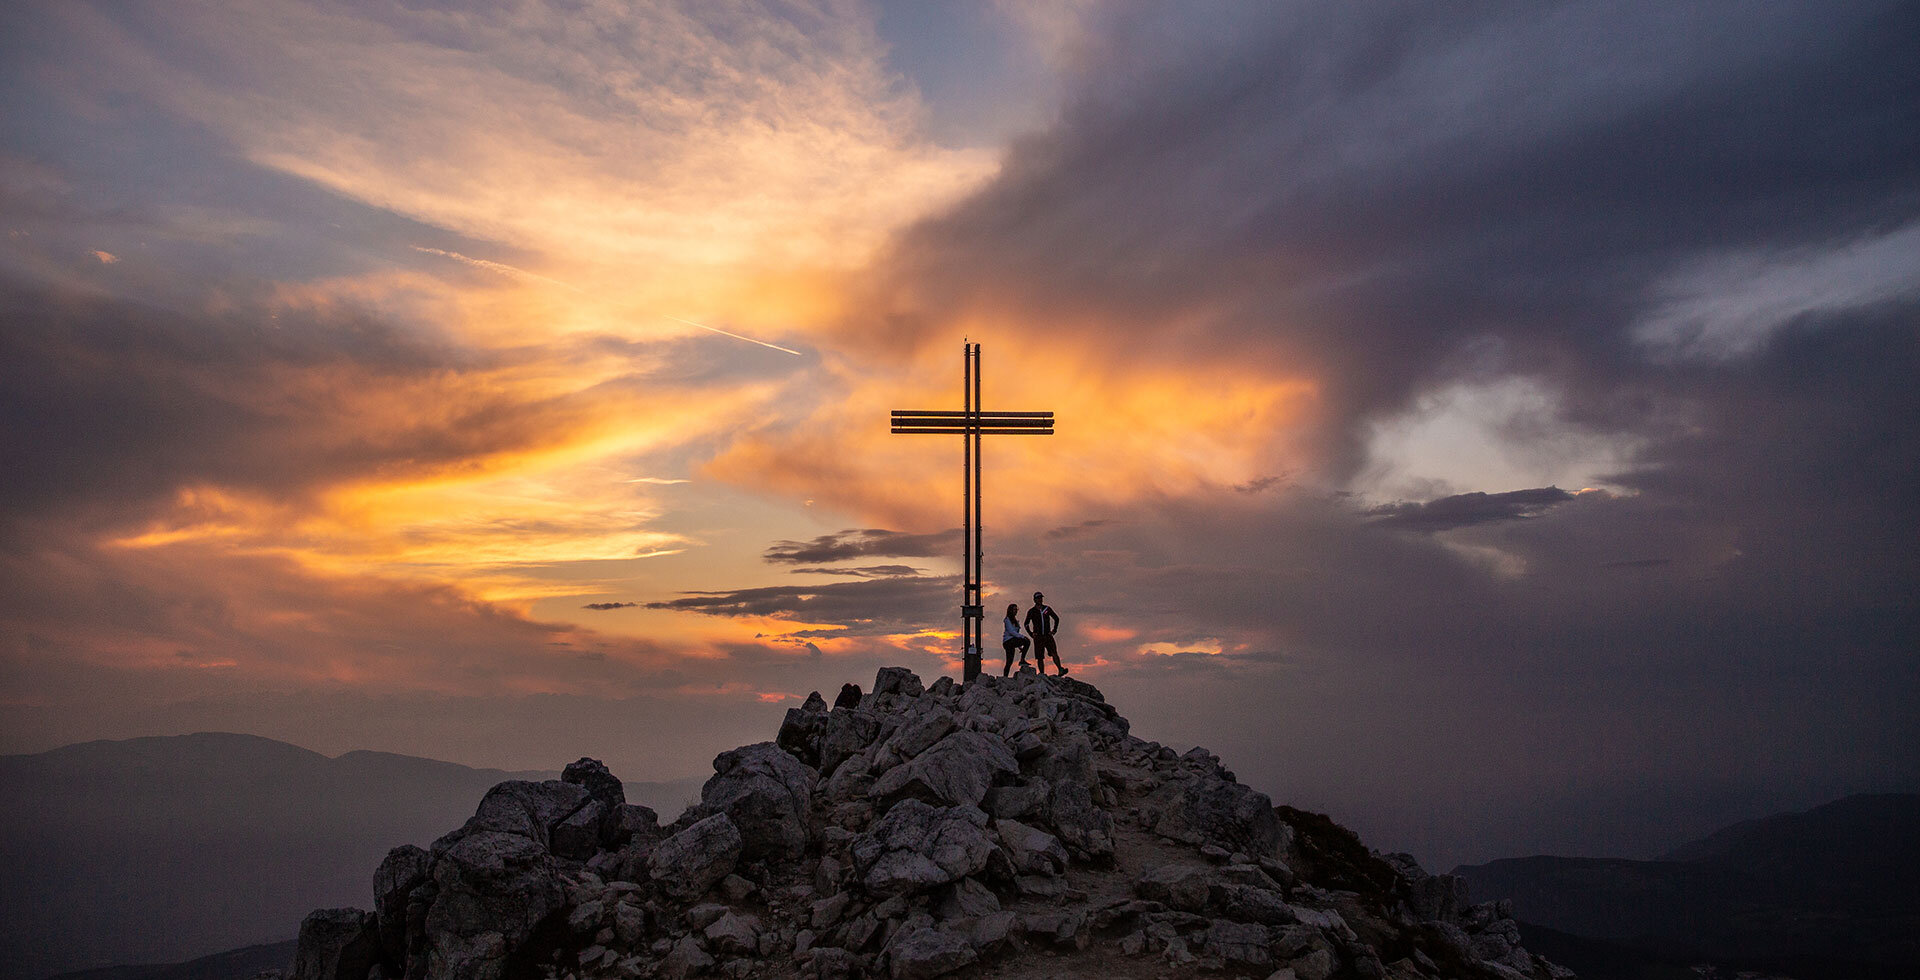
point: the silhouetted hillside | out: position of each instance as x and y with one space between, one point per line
234 964
1828 892
158 850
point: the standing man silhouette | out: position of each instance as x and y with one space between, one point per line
1042 623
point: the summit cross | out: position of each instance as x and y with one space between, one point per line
970 424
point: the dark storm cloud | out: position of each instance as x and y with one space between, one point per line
1391 196
1070 531
1466 509
103 399
903 604
863 543
863 571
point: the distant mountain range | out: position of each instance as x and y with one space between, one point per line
155 850
1829 893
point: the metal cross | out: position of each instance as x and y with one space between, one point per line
970 425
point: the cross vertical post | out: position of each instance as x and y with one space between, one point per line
971 423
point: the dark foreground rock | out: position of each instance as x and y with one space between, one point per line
919 831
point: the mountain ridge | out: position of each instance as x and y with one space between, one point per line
163 848
1009 827
1828 890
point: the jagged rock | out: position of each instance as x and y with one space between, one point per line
736 888
801 730
631 820
1213 811
917 735
584 920
1017 802
629 924
847 732
1079 822
599 782
833 963
825 913
1033 851
897 680
1183 887
578 836
1238 944
336 944
686 959
526 809
1056 927
958 769
1430 896
733 933
926 953
916 847
493 890
1317 965
767 793
405 869
695 859
966 898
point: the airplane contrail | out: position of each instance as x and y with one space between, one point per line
735 336
501 268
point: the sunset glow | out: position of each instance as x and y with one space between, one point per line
377 373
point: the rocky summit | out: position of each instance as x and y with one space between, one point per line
1011 827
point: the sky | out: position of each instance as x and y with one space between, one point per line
1491 424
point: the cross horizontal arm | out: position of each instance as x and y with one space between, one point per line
898 412
913 429
968 425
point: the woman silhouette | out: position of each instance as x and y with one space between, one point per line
1011 638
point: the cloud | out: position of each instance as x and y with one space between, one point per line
863 571
1075 530
671 149
885 606
1363 195
1468 509
863 543
610 605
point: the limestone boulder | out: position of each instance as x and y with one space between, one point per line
1210 810
848 732
526 809
917 847
336 944
1072 809
600 783
688 863
801 730
493 891
927 952
897 680
403 872
957 770
767 794
1033 851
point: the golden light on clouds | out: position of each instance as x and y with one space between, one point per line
1124 430
646 155
618 210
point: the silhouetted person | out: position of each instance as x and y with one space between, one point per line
849 697
1042 623
1011 639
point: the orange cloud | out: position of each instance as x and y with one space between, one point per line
1126 429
